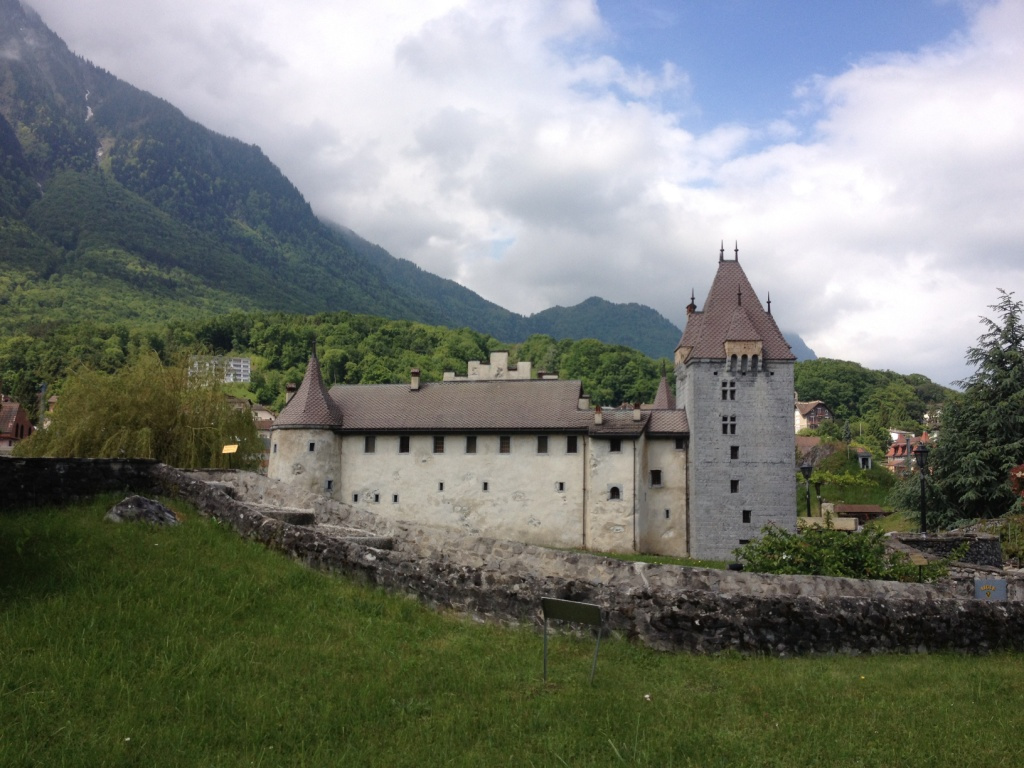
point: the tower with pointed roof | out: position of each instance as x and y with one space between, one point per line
734 378
306 449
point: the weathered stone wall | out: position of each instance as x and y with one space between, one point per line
665 607
39 482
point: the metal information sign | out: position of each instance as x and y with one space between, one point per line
990 589
570 610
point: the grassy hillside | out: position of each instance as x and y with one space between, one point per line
135 645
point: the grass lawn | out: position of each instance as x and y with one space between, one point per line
134 645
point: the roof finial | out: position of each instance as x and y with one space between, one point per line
692 306
721 252
736 250
769 302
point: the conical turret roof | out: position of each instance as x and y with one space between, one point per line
311 406
733 312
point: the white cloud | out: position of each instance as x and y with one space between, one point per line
498 144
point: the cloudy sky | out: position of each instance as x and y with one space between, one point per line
867 156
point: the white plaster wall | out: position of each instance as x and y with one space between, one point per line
660 535
522 501
610 523
292 462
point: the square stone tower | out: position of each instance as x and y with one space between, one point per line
734 377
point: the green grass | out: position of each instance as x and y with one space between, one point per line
635 557
133 645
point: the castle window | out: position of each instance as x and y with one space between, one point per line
754 362
732 363
470 443
571 444
614 493
728 390
438 443
680 443
615 445
369 444
330 485
560 487
746 515
376 498
355 498
275 447
487 486
744 541
734 451
728 425
440 486
542 443
743 364
394 498
734 486
655 477
504 444
312 447
668 514
403 443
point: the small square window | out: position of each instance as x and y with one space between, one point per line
734 486
615 445
312 447
403 443
394 498
560 487
330 485
614 493
487 486
542 444
504 444
744 541
369 444
438 443
571 444
440 486
376 498
655 477
355 498
680 443
470 443
746 515
734 451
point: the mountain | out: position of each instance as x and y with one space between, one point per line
114 206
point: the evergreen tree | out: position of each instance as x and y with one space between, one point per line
982 431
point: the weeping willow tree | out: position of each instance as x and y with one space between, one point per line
148 410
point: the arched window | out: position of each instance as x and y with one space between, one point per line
614 493
743 364
753 363
732 363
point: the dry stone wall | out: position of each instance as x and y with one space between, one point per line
665 607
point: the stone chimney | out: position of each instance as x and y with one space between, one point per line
598 415
636 411
289 391
414 386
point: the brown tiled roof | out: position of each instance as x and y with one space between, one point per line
664 399
8 416
618 422
504 405
809 406
733 312
669 422
310 406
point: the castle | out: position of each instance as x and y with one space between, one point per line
501 454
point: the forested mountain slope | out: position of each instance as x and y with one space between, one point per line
115 206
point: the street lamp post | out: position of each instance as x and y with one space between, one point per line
805 470
921 455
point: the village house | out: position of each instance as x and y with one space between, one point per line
502 454
810 415
15 424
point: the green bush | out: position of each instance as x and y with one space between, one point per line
828 552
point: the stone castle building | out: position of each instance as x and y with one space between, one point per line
501 454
